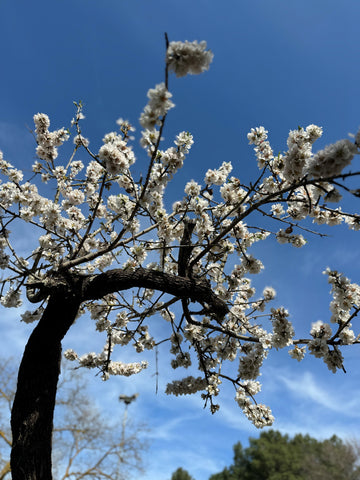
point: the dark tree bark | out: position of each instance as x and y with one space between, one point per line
33 408
34 403
196 290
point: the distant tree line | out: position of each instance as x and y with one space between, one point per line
273 456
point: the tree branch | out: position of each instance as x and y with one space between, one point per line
196 290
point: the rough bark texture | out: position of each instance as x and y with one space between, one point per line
192 288
33 408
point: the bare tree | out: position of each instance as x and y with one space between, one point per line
198 263
333 459
7 392
87 443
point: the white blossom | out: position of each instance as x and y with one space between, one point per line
70 354
188 57
269 293
277 209
318 347
186 386
320 329
298 353
192 188
332 159
79 141
257 135
347 336
184 142
48 141
158 106
116 154
334 360
11 299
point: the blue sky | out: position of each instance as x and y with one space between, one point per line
277 63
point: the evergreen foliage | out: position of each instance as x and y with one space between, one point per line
273 456
181 474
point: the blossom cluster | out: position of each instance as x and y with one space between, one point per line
158 106
116 154
188 58
259 414
346 297
48 141
186 386
92 360
300 143
332 159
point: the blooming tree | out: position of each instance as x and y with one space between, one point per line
108 245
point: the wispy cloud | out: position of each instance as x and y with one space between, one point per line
306 387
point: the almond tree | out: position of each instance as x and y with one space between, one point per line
109 245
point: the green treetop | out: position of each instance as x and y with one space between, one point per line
273 456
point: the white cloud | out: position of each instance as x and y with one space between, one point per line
306 387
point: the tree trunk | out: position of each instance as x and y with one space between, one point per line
33 408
